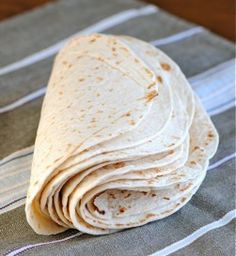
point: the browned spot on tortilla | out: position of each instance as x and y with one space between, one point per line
92 40
165 66
151 95
195 148
122 209
96 208
151 85
136 61
125 49
119 165
61 93
153 195
64 62
159 79
118 62
112 196
185 188
70 65
206 143
150 215
166 198
192 162
148 71
183 199
128 195
81 79
99 78
132 122
113 49
168 211
210 134
119 225
144 192
56 160
127 114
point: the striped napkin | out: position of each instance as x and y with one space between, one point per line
205 226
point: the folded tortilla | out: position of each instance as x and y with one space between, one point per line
122 139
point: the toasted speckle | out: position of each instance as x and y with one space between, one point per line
128 195
210 134
166 198
159 79
92 40
35 183
151 95
148 71
150 215
122 209
165 66
99 78
151 85
119 165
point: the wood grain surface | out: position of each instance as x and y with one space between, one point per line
216 15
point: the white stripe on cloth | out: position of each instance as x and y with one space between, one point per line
100 26
31 246
22 101
178 36
221 161
215 87
227 218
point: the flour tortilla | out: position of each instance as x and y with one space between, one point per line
105 159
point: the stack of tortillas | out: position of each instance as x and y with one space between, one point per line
122 139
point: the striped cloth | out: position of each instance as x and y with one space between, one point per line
205 226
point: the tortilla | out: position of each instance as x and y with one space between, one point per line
122 139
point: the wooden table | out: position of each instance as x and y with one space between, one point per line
216 15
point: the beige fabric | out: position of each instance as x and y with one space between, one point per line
122 139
